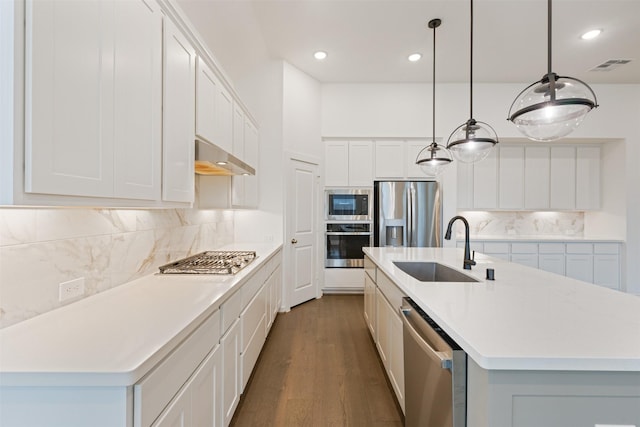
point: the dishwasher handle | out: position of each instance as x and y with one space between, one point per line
445 361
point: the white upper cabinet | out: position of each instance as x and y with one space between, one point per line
485 182
178 116
413 149
390 159
238 132
511 177
214 108
93 100
532 177
348 163
536 177
245 188
69 98
360 164
588 178
563 178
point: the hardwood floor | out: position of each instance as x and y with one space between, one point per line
319 367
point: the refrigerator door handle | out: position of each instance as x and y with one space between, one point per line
410 215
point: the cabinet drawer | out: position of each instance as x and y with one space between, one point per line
250 317
606 248
251 287
551 248
530 260
230 310
579 248
155 391
390 291
370 268
496 248
473 246
524 248
250 354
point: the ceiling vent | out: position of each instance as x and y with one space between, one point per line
610 65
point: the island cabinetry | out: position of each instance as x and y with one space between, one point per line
507 398
382 304
348 164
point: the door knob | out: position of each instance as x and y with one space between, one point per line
294 241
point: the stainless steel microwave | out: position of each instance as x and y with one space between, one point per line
354 204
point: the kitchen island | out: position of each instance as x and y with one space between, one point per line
543 349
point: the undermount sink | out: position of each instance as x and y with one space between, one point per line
432 272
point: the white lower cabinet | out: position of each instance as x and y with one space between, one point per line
230 343
589 261
385 324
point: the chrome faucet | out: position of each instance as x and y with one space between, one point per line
468 261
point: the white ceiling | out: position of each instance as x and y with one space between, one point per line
369 41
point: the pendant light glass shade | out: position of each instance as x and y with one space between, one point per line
472 141
553 107
434 158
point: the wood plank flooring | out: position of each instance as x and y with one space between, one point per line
319 367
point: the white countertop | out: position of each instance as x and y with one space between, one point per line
527 319
541 238
115 337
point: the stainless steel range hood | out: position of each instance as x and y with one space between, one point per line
213 160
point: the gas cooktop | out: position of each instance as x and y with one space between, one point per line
211 262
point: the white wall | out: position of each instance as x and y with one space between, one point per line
404 110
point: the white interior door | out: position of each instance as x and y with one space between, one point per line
301 200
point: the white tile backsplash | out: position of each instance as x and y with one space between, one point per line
541 224
40 248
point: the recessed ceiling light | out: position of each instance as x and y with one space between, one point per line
414 57
591 34
320 55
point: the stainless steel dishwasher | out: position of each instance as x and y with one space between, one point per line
435 372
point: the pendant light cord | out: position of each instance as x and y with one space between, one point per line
471 66
433 94
549 37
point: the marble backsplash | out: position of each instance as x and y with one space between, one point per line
533 224
41 248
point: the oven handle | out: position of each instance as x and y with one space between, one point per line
333 233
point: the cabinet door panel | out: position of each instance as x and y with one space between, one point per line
178 413
389 159
205 391
485 183
553 263
536 178
511 177
336 164
138 99
413 149
580 267
178 116
396 371
606 271
206 93
231 372
563 178
383 337
465 185
588 178
530 260
361 164
69 85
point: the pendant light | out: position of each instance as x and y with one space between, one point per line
434 158
553 107
473 140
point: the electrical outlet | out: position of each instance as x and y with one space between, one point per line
71 289
268 238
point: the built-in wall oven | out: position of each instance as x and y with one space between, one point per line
348 204
344 243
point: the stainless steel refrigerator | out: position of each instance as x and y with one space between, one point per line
407 213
